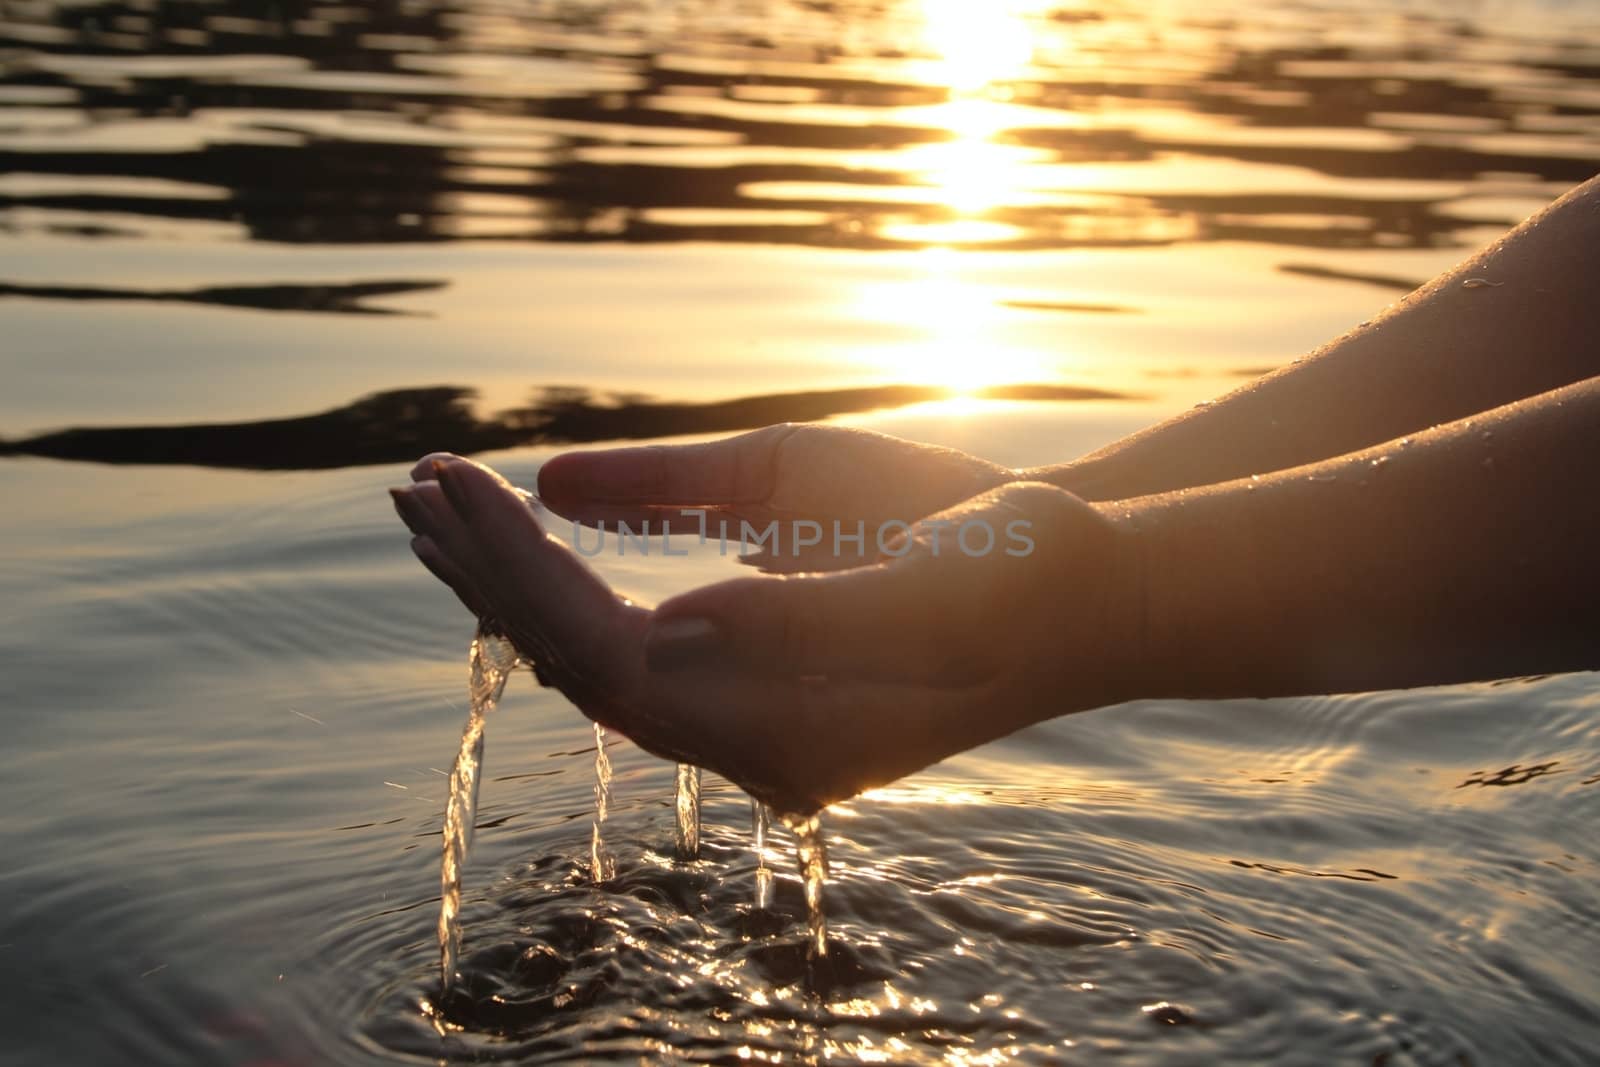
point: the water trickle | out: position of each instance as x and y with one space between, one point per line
813 859
602 865
491 661
687 805
760 821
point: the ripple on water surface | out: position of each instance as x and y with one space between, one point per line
1342 917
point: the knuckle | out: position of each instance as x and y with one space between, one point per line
1038 498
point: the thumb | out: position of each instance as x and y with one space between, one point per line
921 617
869 622
945 613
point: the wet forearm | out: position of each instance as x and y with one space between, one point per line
1466 554
1515 320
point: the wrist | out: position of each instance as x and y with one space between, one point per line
1126 607
1207 626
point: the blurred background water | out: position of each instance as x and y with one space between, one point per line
1024 229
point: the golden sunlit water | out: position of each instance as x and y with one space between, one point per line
258 258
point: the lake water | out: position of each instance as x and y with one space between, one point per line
230 696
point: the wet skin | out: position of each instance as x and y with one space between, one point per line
809 688
1307 538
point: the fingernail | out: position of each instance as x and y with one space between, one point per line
681 643
451 487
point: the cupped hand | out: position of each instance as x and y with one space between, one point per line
806 689
787 472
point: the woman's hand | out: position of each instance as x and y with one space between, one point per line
807 689
787 472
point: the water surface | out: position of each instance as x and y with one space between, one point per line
230 695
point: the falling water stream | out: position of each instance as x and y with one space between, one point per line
602 864
687 807
812 855
760 822
490 661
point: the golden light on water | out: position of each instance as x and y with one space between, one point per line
977 42
955 322
977 47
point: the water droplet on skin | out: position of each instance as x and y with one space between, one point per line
1488 434
1379 463
1480 283
1405 442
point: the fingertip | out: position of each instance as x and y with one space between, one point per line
409 509
557 480
423 469
453 490
638 474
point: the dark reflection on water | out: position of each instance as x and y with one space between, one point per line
1512 775
346 299
1382 281
400 425
841 124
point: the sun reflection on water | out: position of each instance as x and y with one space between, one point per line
977 43
980 48
954 324
977 50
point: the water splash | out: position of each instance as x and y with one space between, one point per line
687 804
602 864
491 661
760 822
812 854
